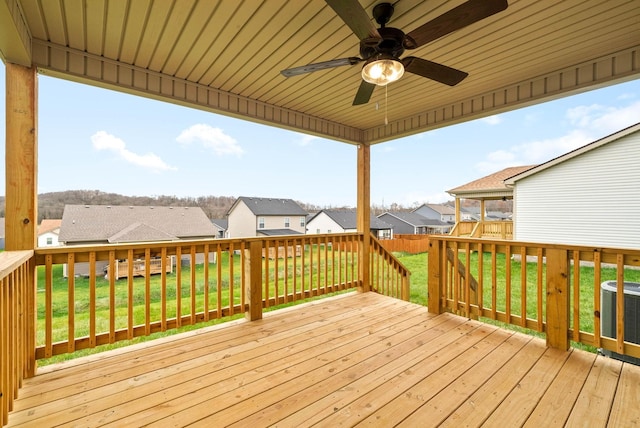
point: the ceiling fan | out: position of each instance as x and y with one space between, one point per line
381 48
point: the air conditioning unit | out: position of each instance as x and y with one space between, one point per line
608 292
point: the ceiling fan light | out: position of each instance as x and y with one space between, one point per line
382 71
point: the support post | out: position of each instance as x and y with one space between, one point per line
21 188
364 216
434 278
558 299
21 166
253 273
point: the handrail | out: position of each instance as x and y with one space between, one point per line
388 275
546 293
17 339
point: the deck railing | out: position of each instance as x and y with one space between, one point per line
388 275
552 289
463 228
494 229
79 311
17 317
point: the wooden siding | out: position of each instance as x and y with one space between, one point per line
590 199
359 359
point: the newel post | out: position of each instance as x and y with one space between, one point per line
434 278
253 274
558 282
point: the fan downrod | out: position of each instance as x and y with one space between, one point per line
382 13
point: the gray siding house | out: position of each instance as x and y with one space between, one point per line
414 224
441 212
343 221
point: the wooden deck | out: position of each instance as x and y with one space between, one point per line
358 359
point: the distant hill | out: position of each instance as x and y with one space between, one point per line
51 205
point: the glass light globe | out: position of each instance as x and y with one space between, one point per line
382 71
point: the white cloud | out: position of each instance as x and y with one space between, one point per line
590 123
306 140
101 140
211 138
414 199
492 120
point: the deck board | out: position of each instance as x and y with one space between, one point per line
358 359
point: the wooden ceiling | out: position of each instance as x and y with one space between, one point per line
226 57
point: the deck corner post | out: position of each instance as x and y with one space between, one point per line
434 277
253 273
558 309
363 214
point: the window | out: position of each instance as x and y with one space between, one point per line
286 222
260 222
301 221
318 231
49 241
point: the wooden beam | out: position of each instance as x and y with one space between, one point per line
21 214
253 272
558 298
364 214
434 277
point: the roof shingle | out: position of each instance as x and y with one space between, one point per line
106 223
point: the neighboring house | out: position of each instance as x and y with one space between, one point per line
498 215
487 188
249 216
107 224
470 213
48 232
221 224
589 196
444 213
343 221
414 224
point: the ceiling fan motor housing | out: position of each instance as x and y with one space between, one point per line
390 44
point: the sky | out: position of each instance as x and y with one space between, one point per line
97 139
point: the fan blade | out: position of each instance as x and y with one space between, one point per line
434 71
364 93
354 15
295 71
455 19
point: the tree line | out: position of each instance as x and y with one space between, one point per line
51 205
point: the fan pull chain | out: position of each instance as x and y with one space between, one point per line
386 120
